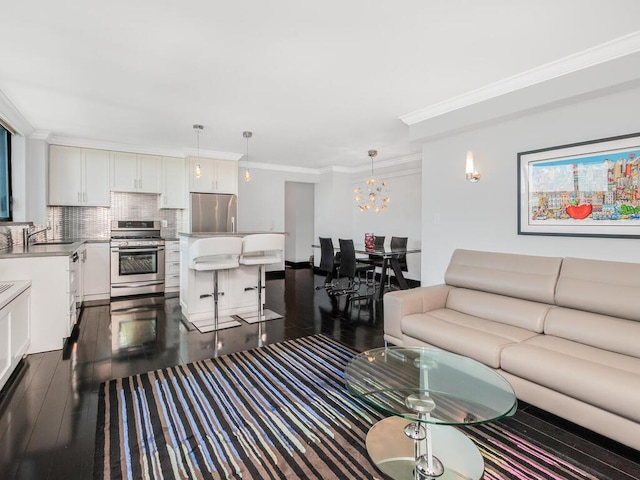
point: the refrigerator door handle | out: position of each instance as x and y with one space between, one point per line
233 224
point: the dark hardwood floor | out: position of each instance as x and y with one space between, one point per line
48 411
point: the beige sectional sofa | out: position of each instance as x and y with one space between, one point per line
565 332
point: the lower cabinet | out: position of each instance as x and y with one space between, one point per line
15 329
172 266
96 273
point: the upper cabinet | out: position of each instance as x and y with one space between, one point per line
131 172
174 183
78 176
208 175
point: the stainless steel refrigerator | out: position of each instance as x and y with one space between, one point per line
213 212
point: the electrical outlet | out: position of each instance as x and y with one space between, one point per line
163 223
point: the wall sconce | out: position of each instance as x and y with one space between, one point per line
472 175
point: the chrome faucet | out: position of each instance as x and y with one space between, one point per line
26 235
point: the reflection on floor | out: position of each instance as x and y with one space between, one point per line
48 415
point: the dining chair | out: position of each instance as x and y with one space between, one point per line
400 243
329 263
350 268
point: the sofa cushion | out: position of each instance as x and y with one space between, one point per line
602 331
507 310
521 276
466 335
609 288
607 380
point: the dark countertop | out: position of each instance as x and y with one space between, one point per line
53 248
223 234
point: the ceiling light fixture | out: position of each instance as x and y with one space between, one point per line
198 171
373 195
247 173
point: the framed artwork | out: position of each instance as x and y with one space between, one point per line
589 189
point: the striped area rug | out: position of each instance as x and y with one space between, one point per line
279 411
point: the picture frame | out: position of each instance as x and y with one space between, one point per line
587 189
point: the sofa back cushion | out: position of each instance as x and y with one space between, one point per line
600 331
498 308
599 286
521 276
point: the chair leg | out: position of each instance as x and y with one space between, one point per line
263 314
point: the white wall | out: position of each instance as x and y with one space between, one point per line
483 216
36 172
402 219
261 202
299 215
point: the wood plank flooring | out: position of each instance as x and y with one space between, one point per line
48 412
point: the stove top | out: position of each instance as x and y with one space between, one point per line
135 230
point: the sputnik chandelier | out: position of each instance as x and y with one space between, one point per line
374 194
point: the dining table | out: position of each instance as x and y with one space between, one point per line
390 259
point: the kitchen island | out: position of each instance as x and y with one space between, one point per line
238 284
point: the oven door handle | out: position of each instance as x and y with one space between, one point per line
137 284
137 250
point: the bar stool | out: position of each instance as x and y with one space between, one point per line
261 249
212 255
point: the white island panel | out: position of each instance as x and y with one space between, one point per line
238 284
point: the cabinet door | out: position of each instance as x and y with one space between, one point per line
201 175
174 193
124 172
96 278
65 175
226 176
96 178
20 326
149 173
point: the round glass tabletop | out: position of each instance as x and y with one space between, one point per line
429 385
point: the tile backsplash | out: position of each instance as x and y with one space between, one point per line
95 222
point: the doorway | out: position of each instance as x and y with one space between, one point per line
298 222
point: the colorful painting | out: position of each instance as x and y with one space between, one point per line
586 189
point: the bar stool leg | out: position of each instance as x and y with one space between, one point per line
264 314
205 324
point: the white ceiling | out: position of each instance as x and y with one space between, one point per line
318 83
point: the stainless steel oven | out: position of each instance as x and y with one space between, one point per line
137 258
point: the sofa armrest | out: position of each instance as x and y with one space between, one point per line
406 302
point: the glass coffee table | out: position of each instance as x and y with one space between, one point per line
427 391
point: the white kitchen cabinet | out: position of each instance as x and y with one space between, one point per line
131 172
15 327
172 266
215 176
174 185
78 176
96 272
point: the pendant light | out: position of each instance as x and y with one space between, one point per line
198 171
247 173
373 195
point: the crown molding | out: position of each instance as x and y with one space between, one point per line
193 152
41 135
597 55
392 162
142 149
12 116
280 168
